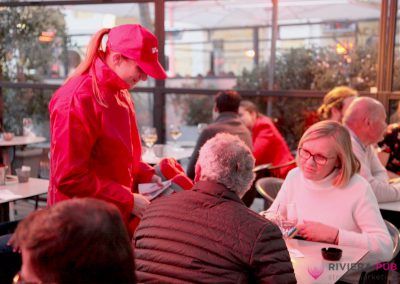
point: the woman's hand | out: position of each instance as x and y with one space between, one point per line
156 179
317 232
140 204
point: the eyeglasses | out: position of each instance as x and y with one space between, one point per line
319 159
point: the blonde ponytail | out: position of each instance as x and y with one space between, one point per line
94 50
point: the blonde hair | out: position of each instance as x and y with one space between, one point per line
94 51
340 137
250 107
334 99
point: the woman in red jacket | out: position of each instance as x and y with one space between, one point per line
268 144
95 145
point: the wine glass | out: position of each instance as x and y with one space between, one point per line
289 217
274 216
175 132
201 126
149 136
27 126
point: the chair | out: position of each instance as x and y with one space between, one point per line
381 276
267 170
268 188
395 235
261 171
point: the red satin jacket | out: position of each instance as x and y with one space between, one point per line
269 146
95 150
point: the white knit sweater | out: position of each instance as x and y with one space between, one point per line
352 209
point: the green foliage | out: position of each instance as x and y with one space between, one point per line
312 69
294 69
200 109
23 58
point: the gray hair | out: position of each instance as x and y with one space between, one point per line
359 109
227 160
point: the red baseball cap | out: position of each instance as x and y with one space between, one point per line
137 43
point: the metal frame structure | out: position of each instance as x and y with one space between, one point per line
385 59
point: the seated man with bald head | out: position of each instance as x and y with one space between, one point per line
366 121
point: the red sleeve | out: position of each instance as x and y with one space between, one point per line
145 173
73 133
263 145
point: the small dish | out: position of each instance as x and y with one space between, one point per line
331 253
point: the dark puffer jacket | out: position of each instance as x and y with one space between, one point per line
207 235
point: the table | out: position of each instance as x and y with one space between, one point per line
21 140
312 268
14 191
17 141
391 212
392 206
167 151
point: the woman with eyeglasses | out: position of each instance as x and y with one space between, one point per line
334 204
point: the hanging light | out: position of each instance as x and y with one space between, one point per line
47 36
250 53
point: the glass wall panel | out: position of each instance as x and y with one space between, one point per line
26 103
187 111
46 43
320 44
144 104
209 47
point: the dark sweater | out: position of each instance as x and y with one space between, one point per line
226 122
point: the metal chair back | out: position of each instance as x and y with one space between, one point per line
268 188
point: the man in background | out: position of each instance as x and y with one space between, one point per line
226 108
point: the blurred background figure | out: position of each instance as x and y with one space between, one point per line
365 119
207 234
74 59
268 144
227 120
395 117
336 102
389 147
77 241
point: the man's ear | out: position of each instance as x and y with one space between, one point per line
197 173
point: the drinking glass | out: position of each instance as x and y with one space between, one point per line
175 132
149 137
289 217
274 217
27 126
201 126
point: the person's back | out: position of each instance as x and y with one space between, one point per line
227 121
207 234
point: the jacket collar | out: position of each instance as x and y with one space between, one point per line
217 190
226 115
107 78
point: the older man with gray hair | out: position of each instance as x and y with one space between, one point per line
207 234
366 121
